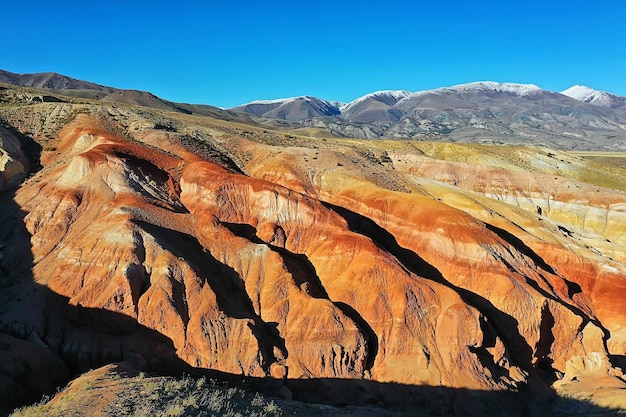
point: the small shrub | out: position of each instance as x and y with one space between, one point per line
258 400
215 401
201 383
230 393
175 410
191 400
272 408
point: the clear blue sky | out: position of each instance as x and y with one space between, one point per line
230 52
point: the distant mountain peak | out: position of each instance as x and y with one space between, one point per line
277 100
292 109
592 96
51 80
479 86
397 94
388 97
579 90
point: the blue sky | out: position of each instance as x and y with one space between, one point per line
230 52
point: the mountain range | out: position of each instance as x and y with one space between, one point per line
483 112
71 87
579 118
403 277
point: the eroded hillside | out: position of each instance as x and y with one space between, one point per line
185 243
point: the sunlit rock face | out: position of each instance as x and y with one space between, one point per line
13 163
325 261
538 291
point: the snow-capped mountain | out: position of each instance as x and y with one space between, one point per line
389 97
484 112
487 111
596 97
291 109
373 106
377 106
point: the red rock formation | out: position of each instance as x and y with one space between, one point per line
338 268
541 290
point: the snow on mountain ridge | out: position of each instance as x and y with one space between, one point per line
281 101
276 100
511 88
338 104
399 95
578 92
520 90
589 95
396 95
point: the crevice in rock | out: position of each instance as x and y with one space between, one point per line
521 247
227 285
298 265
30 148
541 357
504 324
136 273
364 326
154 183
305 275
572 287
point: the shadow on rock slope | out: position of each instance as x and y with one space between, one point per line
46 346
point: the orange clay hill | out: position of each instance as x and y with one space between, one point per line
473 280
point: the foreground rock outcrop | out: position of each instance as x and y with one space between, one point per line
180 243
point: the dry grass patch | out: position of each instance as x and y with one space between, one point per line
112 394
